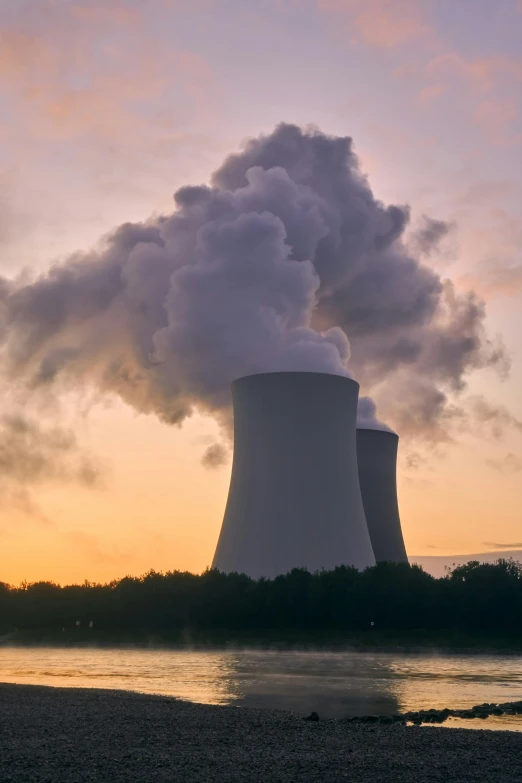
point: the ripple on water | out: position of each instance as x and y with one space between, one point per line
335 684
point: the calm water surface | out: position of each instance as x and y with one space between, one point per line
335 684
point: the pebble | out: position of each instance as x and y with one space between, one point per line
62 735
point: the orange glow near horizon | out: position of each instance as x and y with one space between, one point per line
161 509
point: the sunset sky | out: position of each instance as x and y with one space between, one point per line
107 108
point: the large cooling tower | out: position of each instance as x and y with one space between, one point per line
377 461
294 497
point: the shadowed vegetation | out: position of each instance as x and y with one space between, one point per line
481 600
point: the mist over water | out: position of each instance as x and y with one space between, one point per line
335 684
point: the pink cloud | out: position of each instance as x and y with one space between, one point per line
482 73
496 116
423 55
430 93
92 69
492 279
495 240
115 11
398 25
486 191
489 88
384 24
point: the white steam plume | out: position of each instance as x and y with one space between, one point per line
285 257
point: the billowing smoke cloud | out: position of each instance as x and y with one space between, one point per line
29 453
494 419
215 456
33 454
427 238
278 264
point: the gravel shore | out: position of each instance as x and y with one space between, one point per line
77 735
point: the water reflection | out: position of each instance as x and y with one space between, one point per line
335 684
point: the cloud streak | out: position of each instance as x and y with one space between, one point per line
495 545
490 87
93 548
494 419
509 464
383 24
95 72
31 455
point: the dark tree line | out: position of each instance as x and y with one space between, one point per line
474 597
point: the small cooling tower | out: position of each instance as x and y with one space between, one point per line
377 461
294 497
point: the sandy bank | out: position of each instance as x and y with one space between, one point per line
75 735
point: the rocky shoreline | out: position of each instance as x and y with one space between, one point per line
418 717
62 735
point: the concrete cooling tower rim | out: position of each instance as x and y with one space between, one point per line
381 432
296 373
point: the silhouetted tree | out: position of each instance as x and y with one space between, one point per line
475 597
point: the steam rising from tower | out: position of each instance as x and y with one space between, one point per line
377 460
286 261
294 498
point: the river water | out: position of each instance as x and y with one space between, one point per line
335 684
